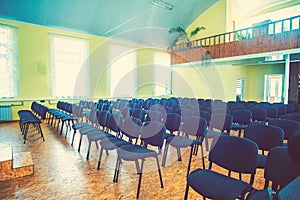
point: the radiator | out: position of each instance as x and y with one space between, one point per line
5 112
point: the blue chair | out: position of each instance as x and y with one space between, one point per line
241 119
192 127
294 116
95 136
289 126
154 116
131 128
214 185
259 115
140 114
221 122
266 137
81 125
88 129
280 168
173 123
153 133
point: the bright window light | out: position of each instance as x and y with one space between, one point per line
9 76
161 74
69 66
122 61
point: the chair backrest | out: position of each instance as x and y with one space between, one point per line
102 118
295 117
140 114
154 116
221 122
107 107
173 122
265 136
132 128
115 122
126 112
272 112
184 112
242 116
93 117
206 115
280 169
282 109
194 126
153 133
289 126
259 114
78 111
290 107
294 148
235 154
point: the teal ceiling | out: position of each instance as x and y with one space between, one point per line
131 20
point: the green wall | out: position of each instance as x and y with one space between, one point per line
218 82
34 69
214 20
33 62
255 79
208 82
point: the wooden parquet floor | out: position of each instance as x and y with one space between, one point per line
61 172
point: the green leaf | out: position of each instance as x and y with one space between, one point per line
196 30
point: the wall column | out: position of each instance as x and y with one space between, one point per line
286 79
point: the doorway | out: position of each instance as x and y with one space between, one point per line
273 89
239 89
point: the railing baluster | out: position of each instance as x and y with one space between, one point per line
265 35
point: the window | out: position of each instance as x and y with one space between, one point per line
9 77
122 61
69 66
273 88
239 89
161 74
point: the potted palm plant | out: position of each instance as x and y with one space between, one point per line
183 37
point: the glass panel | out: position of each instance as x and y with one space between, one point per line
295 23
9 77
69 66
286 25
122 71
162 74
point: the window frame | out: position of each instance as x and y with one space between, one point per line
81 84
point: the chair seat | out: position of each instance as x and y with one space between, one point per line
238 126
134 152
85 131
67 117
179 141
80 125
167 135
113 143
216 186
261 161
214 134
98 135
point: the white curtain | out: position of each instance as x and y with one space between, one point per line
9 76
161 74
122 61
69 60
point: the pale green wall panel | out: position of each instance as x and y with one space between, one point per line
255 79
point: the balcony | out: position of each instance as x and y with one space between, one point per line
269 37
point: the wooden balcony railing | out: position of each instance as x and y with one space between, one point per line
274 36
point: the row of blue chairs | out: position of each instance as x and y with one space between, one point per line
62 114
110 141
239 155
33 117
